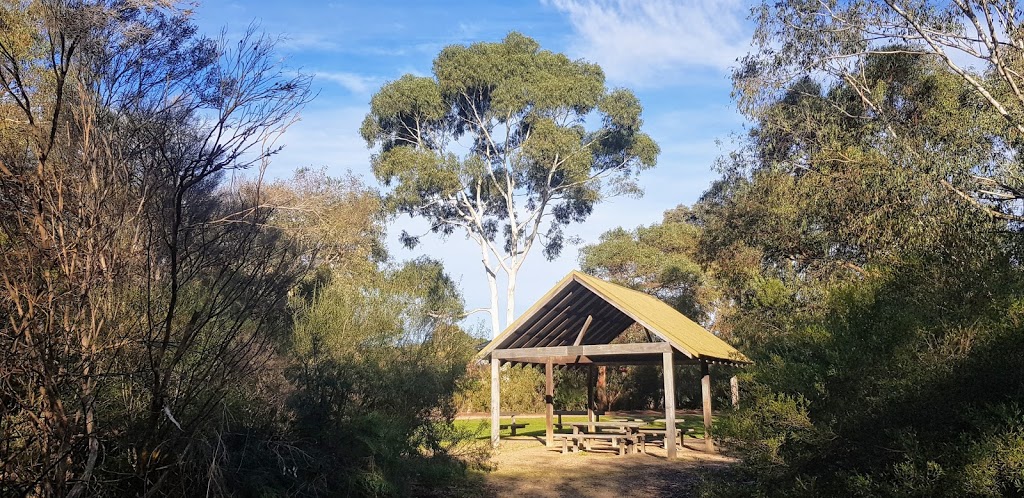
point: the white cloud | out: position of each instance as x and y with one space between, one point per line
326 136
651 42
356 83
307 40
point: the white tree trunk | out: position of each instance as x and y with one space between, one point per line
510 297
492 284
495 322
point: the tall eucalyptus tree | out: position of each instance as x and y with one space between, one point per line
508 144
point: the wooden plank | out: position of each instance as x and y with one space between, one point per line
635 360
570 320
591 378
586 305
586 350
562 326
495 401
668 372
608 321
552 324
610 326
549 401
705 389
545 315
540 361
734 387
583 331
529 315
601 361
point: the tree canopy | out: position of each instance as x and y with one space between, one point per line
509 144
167 332
861 254
879 305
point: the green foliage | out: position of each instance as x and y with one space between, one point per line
845 252
523 109
660 259
496 144
374 371
878 304
139 287
522 390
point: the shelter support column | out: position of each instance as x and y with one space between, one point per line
705 389
669 374
495 401
549 402
591 378
734 387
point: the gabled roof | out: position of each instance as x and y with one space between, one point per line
557 318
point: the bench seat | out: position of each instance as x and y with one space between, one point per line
623 441
644 432
513 427
559 413
663 433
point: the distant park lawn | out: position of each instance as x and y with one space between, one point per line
481 428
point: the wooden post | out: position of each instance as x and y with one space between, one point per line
495 401
734 384
705 388
549 401
668 373
591 378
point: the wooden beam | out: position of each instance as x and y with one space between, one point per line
734 386
601 361
544 315
679 359
561 327
591 378
607 329
549 402
705 389
558 360
586 325
588 350
495 401
668 372
529 315
577 314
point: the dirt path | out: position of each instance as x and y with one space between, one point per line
525 468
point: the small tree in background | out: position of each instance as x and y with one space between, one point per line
496 145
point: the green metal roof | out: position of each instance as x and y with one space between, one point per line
557 318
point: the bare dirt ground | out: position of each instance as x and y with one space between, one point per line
526 468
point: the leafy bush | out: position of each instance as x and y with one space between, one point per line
374 372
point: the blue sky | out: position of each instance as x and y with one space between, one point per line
675 55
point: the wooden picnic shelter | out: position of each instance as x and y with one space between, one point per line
575 324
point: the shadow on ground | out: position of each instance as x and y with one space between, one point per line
526 468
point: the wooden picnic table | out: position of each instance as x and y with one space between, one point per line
621 426
622 431
559 413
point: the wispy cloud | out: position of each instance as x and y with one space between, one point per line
306 41
325 137
652 42
358 84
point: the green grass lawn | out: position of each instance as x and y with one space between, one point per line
481 428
